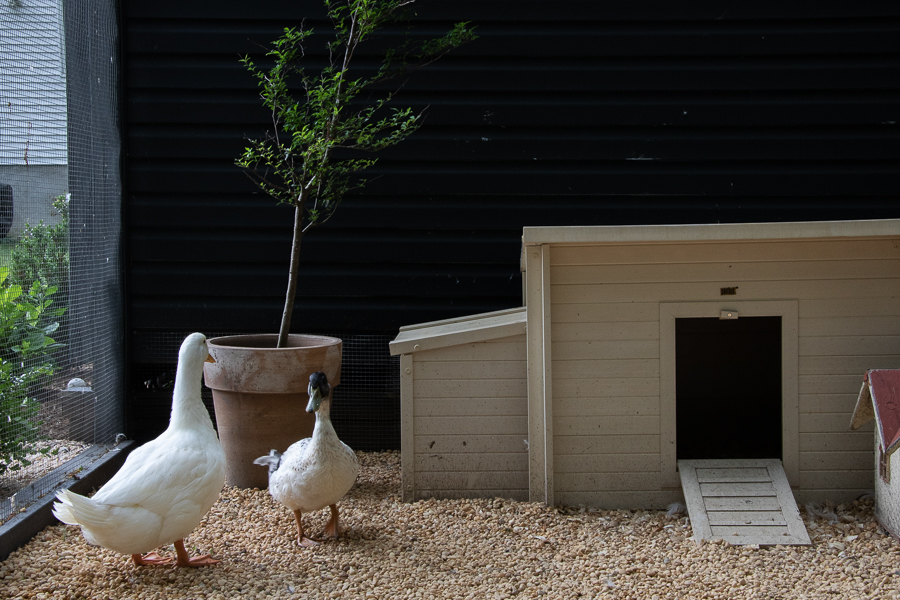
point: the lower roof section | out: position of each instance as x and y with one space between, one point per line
462 330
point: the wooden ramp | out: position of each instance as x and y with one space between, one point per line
741 501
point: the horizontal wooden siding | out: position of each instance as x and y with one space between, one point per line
471 421
605 323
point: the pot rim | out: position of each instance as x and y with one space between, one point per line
319 341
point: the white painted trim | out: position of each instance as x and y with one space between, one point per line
711 232
524 270
548 378
790 399
539 384
407 430
466 318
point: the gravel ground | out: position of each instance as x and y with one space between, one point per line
55 431
466 549
41 464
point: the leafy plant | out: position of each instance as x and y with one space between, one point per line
312 156
25 347
42 254
43 251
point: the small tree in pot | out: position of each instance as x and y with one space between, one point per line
310 159
296 162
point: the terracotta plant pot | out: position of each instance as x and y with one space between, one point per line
260 396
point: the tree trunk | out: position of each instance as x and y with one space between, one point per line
285 328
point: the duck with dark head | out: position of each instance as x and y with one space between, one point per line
316 471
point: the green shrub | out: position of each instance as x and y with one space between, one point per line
42 254
26 322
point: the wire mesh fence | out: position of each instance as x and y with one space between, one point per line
366 411
61 379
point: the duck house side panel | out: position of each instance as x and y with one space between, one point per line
470 421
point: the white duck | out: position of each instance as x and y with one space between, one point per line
315 472
166 486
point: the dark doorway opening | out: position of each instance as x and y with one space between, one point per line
728 388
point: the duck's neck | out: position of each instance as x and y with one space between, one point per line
188 410
323 420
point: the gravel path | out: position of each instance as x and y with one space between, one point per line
465 549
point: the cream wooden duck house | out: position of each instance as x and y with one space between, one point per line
644 345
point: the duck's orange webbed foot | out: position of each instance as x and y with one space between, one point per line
197 561
331 528
151 559
184 560
304 541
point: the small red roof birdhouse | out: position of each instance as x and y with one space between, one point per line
879 398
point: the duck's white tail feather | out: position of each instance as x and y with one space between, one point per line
75 509
61 510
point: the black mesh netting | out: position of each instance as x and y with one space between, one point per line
61 383
366 409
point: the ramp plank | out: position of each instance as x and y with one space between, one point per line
743 535
732 475
738 489
760 517
741 501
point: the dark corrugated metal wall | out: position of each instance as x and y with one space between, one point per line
572 113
